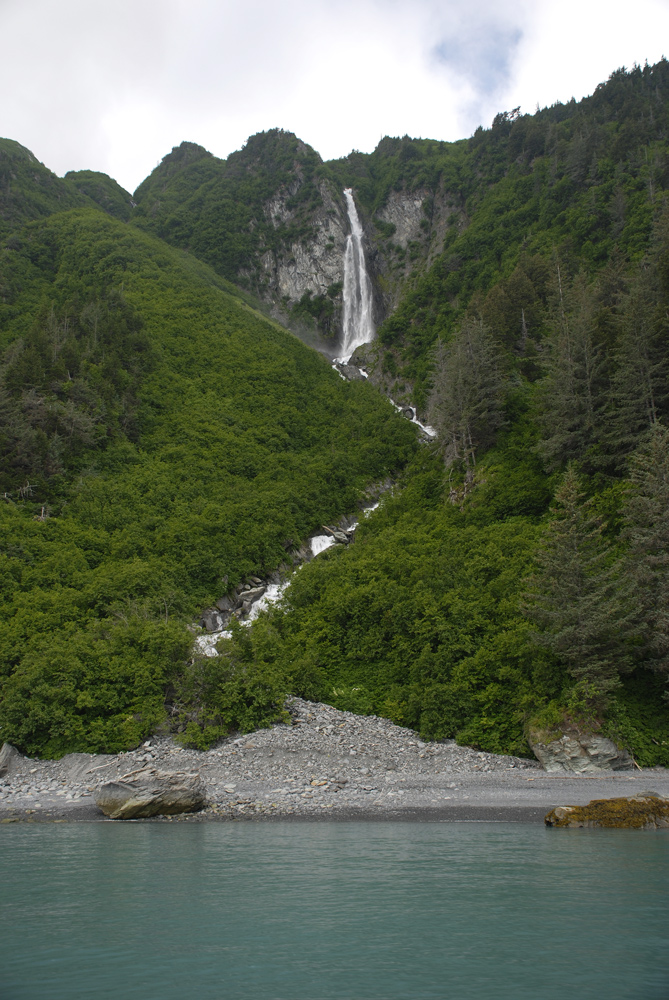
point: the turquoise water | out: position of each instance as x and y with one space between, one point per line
332 910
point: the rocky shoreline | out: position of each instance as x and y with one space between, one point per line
324 764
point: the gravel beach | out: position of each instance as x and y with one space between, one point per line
325 764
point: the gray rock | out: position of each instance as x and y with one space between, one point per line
350 372
84 767
225 604
149 792
581 754
9 758
212 620
254 594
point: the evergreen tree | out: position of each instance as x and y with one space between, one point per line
648 536
572 394
467 393
638 394
579 599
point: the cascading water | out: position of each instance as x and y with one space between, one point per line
358 321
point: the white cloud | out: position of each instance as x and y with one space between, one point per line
113 86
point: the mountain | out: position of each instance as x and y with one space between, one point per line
164 437
444 222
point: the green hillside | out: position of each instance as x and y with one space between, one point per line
160 441
215 208
518 582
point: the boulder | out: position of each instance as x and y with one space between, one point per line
581 754
646 811
213 620
149 792
225 604
9 758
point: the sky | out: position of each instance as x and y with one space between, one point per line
91 84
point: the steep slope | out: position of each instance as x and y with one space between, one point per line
28 190
160 441
102 191
444 222
266 218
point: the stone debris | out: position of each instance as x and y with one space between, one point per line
645 811
324 759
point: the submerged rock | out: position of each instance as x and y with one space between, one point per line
646 811
149 792
580 754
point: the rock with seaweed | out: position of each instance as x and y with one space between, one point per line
646 811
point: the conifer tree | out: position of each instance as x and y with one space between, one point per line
639 390
572 394
647 531
467 392
579 599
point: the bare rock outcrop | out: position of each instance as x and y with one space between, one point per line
149 792
581 754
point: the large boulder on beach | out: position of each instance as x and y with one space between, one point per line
149 792
9 759
581 754
646 811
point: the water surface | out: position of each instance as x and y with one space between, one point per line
332 910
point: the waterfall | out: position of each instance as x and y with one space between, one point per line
358 322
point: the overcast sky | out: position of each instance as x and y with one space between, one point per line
113 86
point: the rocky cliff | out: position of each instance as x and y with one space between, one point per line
272 218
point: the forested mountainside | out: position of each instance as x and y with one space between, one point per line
162 439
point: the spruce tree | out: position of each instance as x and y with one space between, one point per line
638 394
647 531
579 599
467 393
572 393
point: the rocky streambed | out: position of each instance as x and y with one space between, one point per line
323 764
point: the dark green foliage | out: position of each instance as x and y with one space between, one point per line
241 442
417 621
467 392
158 437
28 190
647 533
102 191
579 600
69 386
216 209
213 695
580 179
572 394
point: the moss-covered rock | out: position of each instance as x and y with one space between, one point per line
646 811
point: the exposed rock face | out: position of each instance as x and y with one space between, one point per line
318 263
646 811
581 755
9 758
149 792
81 767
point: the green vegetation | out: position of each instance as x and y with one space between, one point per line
160 441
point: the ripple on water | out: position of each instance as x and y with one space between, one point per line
333 910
